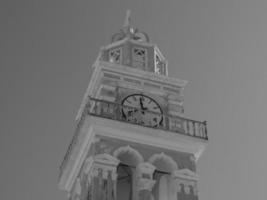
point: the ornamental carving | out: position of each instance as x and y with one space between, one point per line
127 149
171 164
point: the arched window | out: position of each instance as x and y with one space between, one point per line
139 57
124 182
165 187
129 159
115 55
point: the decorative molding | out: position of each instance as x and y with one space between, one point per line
144 75
187 189
105 148
95 172
91 86
75 158
78 188
177 102
127 149
88 164
184 186
147 136
187 179
192 158
105 163
106 159
168 160
185 174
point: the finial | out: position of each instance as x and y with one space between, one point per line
128 31
127 20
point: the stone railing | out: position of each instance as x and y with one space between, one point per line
111 110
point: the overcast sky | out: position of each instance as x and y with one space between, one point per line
47 48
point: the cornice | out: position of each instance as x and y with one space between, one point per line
142 74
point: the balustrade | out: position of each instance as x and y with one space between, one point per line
111 110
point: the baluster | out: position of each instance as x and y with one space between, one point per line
194 128
100 107
104 108
168 123
118 112
187 127
184 125
112 113
109 109
199 129
115 108
191 128
95 107
198 133
165 122
205 129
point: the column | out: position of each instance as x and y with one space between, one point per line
144 181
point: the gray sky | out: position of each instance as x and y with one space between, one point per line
47 48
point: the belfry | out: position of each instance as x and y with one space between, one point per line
132 141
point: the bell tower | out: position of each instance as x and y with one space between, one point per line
132 141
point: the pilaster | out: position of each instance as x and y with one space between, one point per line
104 177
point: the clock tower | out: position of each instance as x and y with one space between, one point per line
132 141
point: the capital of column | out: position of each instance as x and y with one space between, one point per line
114 175
105 173
145 184
95 172
145 168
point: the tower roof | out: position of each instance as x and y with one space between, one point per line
130 32
131 48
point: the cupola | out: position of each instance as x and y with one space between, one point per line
132 48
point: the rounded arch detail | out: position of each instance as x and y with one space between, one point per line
167 160
138 158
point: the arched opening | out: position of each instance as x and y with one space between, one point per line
165 187
128 155
163 163
129 159
124 182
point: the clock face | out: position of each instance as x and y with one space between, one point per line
141 109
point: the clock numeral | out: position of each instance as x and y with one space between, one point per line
134 98
127 100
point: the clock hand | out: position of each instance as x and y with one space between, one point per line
141 104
